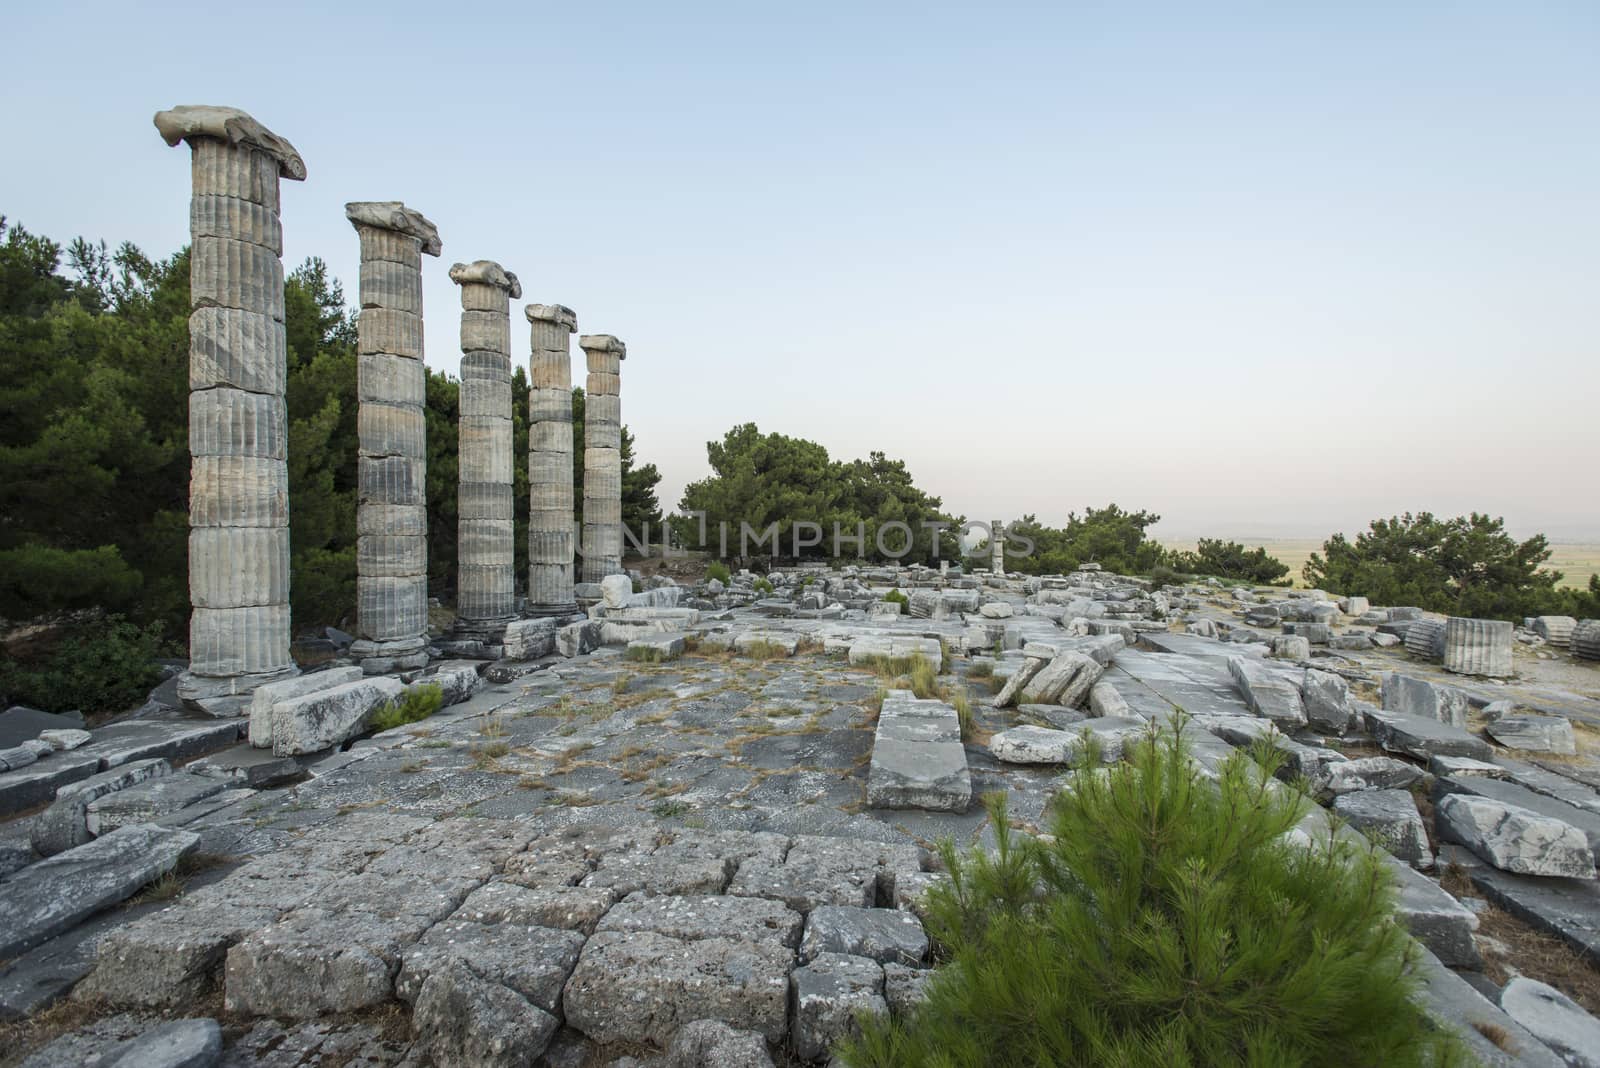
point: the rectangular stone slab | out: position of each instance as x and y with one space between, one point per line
1421 737
53 895
918 760
1566 908
1516 794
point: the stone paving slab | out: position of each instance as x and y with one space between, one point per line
918 760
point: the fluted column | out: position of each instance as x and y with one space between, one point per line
550 524
239 477
391 518
997 547
602 457
486 513
1478 646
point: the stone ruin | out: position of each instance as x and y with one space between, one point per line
684 824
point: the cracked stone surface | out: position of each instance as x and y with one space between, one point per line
686 854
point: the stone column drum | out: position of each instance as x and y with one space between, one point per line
1478 646
239 478
486 511
602 457
550 505
391 517
997 547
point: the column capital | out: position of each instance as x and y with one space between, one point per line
603 343
486 273
559 314
189 121
393 215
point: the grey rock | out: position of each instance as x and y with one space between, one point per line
1390 818
168 959
533 961
1291 647
1568 909
1434 918
51 896
1454 1005
149 802
264 697
1478 646
1424 638
904 988
17 758
529 639
615 590
1554 1019
882 935
576 639
179 1044
918 760
1267 693
1421 737
1535 733
327 718
713 1044
1368 773
693 918
65 823
1515 839
465 1021
1065 680
64 739
639 986
828 995
1020 678
19 723
1327 701
1557 630
316 961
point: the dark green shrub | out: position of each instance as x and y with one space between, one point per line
720 572
898 598
1162 575
1168 923
103 665
762 585
415 705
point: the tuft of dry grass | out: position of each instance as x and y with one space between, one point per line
1496 1034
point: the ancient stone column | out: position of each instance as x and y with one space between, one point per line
602 457
1478 646
486 512
239 478
550 523
997 547
391 520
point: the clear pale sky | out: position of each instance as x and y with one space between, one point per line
1261 268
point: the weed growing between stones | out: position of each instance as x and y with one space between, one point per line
644 654
418 704
1169 921
963 706
983 669
762 585
763 650
896 597
720 572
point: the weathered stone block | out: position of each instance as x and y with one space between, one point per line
1515 839
323 719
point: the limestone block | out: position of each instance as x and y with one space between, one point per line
238 491
483 401
917 757
485 501
464 1021
390 230
392 520
65 824
391 556
237 567
236 348
485 591
1554 1019
1327 701
1586 640
391 608
550 546
485 331
1367 773
711 1042
1065 680
390 330
264 697
1557 630
391 379
829 995
604 466
641 986
1424 639
549 404
325 718
550 585
1267 693
232 422
1478 646
391 430
548 498
1390 818
602 409
486 369
602 511
235 274
529 639
1535 734
615 591
226 642
1421 736
487 541
236 220
551 437
1419 697
551 372
221 170
391 480
1514 838
229 131
884 935
485 451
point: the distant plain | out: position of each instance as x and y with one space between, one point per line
1575 560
